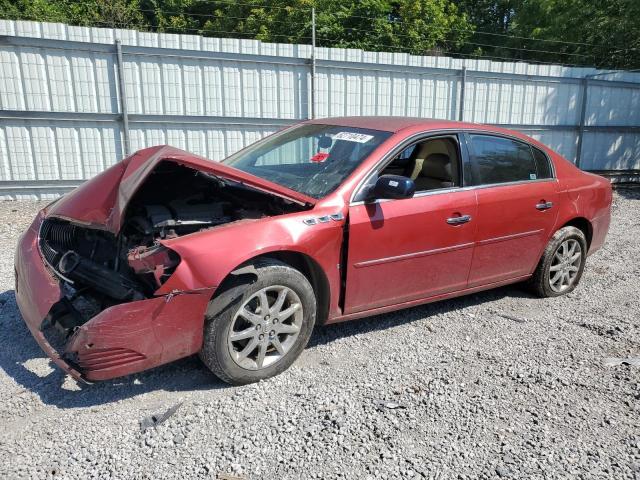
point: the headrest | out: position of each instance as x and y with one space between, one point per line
438 166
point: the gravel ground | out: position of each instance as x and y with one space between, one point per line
498 384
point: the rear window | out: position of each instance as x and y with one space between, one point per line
501 160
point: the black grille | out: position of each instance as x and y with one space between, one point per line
56 238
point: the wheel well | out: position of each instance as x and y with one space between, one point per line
583 224
303 263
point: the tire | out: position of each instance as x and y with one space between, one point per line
554 262
237 327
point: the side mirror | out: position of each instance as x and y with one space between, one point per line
393 187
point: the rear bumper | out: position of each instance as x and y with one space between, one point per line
120 340
600 227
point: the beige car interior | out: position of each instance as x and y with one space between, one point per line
431 165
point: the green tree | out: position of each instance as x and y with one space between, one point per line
36 10
493 16
411 26
604 34
586 32
101 13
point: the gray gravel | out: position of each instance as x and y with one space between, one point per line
495 385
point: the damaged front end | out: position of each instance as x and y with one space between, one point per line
94 296
108 321
94 270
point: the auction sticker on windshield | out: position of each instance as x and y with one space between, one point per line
352 137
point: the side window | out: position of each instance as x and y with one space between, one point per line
501 160
542 164
401 163
431 164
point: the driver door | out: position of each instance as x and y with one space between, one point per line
415 248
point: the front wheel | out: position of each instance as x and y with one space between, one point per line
258 327
562 263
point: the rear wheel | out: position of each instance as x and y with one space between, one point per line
562 263
259 326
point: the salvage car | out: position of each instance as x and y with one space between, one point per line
167 254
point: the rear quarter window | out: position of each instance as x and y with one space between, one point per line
543 164
501 160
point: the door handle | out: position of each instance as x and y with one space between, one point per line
459 220
544 205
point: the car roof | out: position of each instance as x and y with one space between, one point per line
414 124
395 124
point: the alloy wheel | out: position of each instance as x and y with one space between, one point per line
565 265
265 327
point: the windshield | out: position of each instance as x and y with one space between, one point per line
312 159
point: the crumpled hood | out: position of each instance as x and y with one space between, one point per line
101 201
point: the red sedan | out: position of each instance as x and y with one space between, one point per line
167 254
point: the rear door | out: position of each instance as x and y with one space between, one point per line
517 207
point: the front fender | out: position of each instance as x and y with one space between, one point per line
208 257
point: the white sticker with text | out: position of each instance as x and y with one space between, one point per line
352 137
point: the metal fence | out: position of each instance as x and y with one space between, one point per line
74 100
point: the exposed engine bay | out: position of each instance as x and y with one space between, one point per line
99 269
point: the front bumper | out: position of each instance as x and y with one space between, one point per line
37 291
120 340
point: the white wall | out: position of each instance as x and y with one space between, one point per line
60 102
